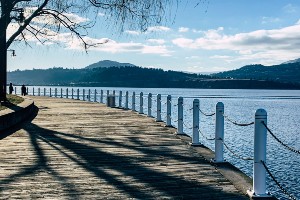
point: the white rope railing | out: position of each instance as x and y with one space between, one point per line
260 126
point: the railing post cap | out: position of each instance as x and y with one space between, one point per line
220 105
180 98
260 112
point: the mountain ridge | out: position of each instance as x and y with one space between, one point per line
108 63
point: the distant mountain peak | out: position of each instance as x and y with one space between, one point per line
292 61
109 63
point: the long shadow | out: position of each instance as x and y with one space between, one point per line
137 147
98 161
94 159
40 164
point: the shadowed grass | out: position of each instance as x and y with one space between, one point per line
12 101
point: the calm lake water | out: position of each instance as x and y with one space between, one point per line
282 106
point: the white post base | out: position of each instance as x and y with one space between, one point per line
252 195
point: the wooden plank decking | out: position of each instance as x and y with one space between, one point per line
81 150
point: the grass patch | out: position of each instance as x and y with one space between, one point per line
13 100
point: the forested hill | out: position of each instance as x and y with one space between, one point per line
134 77
286 73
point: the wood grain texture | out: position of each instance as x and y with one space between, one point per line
81 150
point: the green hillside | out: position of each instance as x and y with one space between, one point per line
135 77
286 73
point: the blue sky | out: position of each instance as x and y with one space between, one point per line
216 35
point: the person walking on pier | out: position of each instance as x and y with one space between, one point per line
11 89
23 90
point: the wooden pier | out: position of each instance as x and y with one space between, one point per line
82 150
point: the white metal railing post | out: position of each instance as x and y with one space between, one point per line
133 101
15 90
158 106
168 123
39 91
83 94
72 93
78 94
107 94
55 92
44 91
101 96
219 133
180 116
50 93
149 105
126 100
95 95
33 91
195 138
141 103
61 93
89 95
120 99
260 143
67 93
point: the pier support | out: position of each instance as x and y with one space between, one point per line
95 95
126 100
133 101
158 106
195 138
180 117
260 143
141 103
169 104
120 99
219 134
101 96
149 105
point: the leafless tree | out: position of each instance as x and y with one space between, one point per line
43 20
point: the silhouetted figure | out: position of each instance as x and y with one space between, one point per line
23 90
11 89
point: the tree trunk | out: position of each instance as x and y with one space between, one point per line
3 51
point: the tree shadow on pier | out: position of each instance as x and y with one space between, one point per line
89 155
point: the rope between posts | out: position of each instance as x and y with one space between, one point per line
186 126
277 183
235 154
210 139
280 142
205 114
235 123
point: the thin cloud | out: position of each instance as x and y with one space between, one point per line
157 41
158 29
276 44
289 8
268 20
183 30
132 32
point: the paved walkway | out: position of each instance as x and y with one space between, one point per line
81 150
